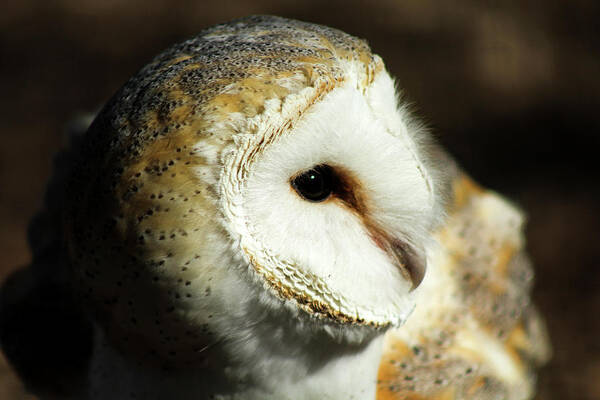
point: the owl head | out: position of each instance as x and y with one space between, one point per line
261 168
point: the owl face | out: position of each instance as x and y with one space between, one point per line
261 166
334 212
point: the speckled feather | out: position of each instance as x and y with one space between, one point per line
477 336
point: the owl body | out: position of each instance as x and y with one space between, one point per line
254 216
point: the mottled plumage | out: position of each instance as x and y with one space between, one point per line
205 274
474 333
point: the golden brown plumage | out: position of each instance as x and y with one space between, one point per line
480 337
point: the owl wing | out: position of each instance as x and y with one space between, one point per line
43 331
474 333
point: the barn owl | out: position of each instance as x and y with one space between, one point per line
254 215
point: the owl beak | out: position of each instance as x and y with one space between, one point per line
410 261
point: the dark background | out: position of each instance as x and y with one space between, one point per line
510 88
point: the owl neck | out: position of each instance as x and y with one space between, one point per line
317 368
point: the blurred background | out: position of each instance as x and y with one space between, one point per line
510 88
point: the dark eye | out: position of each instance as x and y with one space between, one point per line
315 184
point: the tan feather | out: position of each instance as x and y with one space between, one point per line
475 335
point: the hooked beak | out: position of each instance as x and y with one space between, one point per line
411 262
407 258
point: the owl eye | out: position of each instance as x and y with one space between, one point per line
315 184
